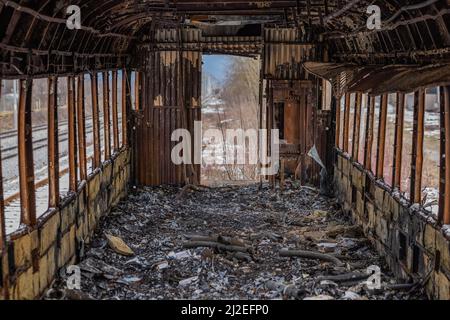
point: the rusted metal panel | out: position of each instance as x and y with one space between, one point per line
53 145
26 170
72 126
284 53
445 101
398 145
417 146
295 103
382 136
81 118
170 82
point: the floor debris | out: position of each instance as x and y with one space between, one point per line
231 243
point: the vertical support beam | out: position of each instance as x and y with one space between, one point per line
398 145
26 170
346 122
115 115
338 122
417 146
126 95
443 155
369 133
95 121
3 257
445 103
2 204
72 134
260 110
81 117
382 136
53 147
356 126
106 115
4 278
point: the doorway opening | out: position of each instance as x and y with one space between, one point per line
230 119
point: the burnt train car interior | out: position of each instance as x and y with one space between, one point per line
355 92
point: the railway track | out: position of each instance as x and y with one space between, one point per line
42 143
12 133
39 143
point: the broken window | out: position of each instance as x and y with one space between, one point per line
9 103
119 106
133 90
363 129
63 136
326 95
110 108
408 124
391 117
89 123
376 125
101 116
431 154
342 122
39 120
351 123
279 118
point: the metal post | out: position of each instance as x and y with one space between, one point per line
369 133
81 128
382 136
398 145
2 204
115 116
95 121
338 122
125 99
106 115
445 100
26 170
53 147
346 122
72 134
356 126
417 154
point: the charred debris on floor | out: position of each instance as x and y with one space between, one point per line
231 243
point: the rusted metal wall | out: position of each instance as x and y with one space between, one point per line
284 53
305 126
170 83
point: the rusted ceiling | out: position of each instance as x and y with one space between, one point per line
413 31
